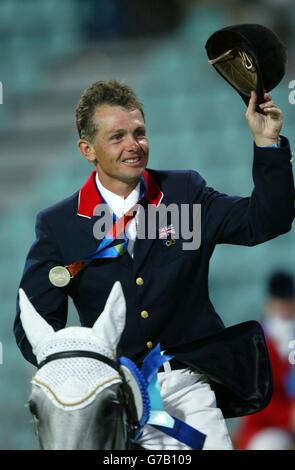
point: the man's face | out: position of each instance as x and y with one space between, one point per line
283 308
120 145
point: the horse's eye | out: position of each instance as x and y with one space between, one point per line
32 408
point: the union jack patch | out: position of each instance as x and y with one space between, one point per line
166 232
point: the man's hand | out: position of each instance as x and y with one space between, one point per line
265 126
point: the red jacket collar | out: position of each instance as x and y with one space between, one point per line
89 196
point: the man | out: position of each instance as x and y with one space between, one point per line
166 287
274 427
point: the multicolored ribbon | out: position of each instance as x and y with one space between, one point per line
154 412
290 382
115 242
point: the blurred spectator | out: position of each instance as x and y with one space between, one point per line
151 17
274 427
102 19
113 19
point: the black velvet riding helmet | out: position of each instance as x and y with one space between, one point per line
249 57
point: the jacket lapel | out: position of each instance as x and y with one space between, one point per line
89 198
143 246
89 243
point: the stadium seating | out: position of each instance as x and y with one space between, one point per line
195 120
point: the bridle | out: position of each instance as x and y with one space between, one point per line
81 353
133 427
136 400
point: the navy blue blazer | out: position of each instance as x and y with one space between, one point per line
174 292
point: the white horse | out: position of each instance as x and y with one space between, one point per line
80 397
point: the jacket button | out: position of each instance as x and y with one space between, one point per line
149 344
144 314
139 281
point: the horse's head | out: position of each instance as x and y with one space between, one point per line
78 398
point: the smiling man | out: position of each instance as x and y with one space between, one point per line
113 137
166 287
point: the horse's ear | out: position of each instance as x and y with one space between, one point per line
111 323
35 327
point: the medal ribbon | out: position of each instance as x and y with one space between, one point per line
159 418
154 412
115 242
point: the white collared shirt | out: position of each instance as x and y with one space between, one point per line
120 206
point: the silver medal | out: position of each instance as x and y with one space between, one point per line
59 276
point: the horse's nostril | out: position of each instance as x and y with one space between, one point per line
32 407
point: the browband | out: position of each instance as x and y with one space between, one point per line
90 354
